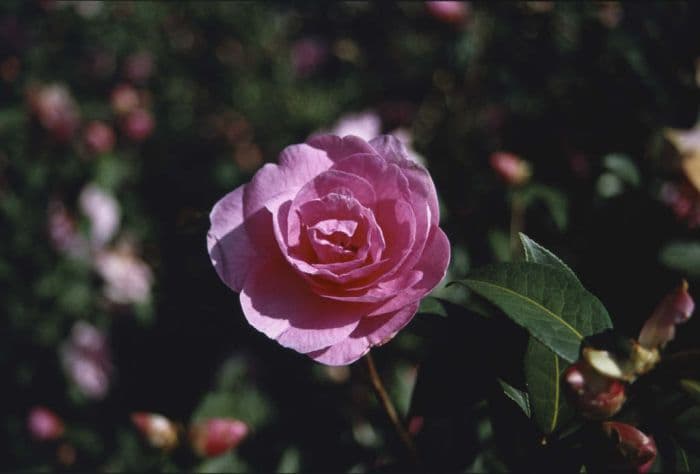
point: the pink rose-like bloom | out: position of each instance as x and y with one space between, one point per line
99 137
44 425
333 248
127 278
103 212
138 125
86 359
56 110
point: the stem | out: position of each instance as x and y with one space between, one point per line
517 222
389 409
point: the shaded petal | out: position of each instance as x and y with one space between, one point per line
370 332
278 302
230 248
432 266
675 308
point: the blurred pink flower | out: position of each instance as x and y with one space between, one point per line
127 278
86 360
124 99
103 212
448 11
63 232
348 228
216 436
138 124
56 110
99 137
44 425
307 55
510 168
138 67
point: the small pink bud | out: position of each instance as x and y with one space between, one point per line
44 425
675 308
99 137
596 396
448 11
510 168
216 436
138 125
160 432
637 449
124 99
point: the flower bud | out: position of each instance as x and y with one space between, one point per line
596 396
660 328
99 137
637 449
44 425
511 168
56 110
138 125
632 361
216 436
160 432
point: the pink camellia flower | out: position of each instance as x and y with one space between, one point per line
86 359
448 11
216 436
103 211
138 124
44 425
99 137
333 248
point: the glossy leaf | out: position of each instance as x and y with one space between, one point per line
692 388
546 301
683 256
534 252
518 396
544 368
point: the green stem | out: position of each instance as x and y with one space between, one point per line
517 222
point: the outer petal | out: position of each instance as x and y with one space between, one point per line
230 248
420 182
370 332
433 266
338 148
299 164
278 302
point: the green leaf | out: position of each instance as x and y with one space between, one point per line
548 302
692 388
543 372
518 396
683 256
534 252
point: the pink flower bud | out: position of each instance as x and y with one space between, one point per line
596 396
636 448
44 425
675 308
124 99
56 110
99 137
159 431
138 125
510 168
448 11
216 436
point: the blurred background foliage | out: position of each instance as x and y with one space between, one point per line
105 224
